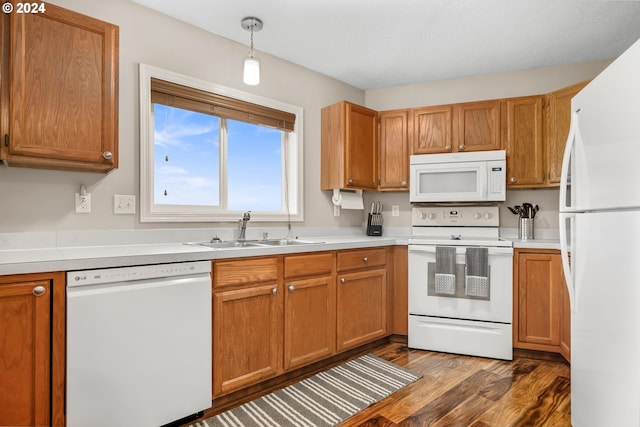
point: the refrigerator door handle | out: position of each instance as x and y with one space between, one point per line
574 133
565 250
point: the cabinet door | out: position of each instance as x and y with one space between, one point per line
523 142
361 307
540 285
432 130
349 147
62 92
25 349
394 151
361 161
247 336
557 129
478 126
309 320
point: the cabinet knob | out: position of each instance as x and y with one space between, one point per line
350 181
39 291
274 291
448 148
461 147
107 155
365 259
343 280
513 180
403 183
292 288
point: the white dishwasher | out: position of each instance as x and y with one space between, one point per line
138 344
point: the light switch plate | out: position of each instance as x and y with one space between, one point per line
124 204
395 210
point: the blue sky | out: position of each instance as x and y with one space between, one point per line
191 142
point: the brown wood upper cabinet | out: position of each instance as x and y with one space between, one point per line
471 126
394 151
558 119
59 91
523 141
535 133
349 147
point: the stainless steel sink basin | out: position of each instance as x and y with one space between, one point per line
226 245
284 242
221 244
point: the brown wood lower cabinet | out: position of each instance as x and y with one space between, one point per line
276 314
309 308
247 322
541 304
32 349
362 297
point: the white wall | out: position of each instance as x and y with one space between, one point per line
41 200
37 200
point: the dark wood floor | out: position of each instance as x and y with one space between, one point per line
472 392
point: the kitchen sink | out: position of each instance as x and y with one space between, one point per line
221 244
285 242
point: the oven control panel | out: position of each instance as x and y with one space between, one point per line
456 216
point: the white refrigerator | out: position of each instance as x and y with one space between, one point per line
600 240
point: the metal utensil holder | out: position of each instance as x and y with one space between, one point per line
525 228
374 224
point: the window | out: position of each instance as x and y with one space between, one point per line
208 153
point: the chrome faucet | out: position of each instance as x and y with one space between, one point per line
246 216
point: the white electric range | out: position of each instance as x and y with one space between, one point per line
460 282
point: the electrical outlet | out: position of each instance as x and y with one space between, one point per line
395 210
83 203
124 204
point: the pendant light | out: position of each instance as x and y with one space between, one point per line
251 74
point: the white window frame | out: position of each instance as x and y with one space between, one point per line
294 185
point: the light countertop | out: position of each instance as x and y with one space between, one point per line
18 261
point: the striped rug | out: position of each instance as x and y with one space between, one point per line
325 399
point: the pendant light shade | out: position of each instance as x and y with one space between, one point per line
251 75
251 71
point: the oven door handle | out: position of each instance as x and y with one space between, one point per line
431 249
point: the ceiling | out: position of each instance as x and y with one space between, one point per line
381 43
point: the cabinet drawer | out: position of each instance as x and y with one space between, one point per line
240 272
361 258
309 265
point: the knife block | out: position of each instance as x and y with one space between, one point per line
374 225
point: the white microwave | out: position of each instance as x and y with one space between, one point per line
478 176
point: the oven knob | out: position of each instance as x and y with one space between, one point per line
487 216
432 216
423 215
477 215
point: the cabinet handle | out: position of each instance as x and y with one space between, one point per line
107 155
274 291
365 259
292 288
448 148
403 183
513 180
39 291
461 147
343 280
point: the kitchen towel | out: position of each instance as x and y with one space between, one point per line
476 281
445 278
